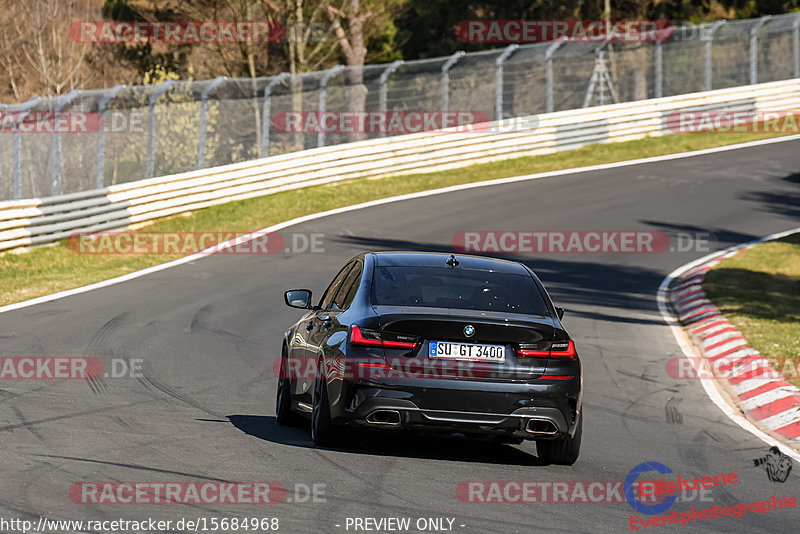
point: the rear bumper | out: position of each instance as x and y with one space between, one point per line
514 410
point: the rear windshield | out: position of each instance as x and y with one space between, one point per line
438 287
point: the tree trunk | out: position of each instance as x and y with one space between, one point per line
355 52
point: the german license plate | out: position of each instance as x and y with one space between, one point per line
467 351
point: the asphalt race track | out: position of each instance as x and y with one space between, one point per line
208 332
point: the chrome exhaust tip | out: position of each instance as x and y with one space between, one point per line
541 427
384 417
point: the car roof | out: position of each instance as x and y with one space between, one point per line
434 259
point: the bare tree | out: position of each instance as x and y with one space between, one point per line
353 24
46 45
10 49
36 50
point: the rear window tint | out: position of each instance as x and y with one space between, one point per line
437 287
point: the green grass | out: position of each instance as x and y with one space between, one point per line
45 270
759 291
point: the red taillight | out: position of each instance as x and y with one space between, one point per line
563 350
357 338
399 344
558 349
373 339
374 365
533 353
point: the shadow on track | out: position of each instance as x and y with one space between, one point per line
779 200
570 278
716 238
389 444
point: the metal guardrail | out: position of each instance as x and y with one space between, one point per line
179 126
40 221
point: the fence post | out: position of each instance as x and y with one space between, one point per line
709 41
446 78
498 80
17 178
796 35
151 125
382 87
548 58
754 48
55 149
14 186
2 110
265 121
323 90
659 67
201 141
101 107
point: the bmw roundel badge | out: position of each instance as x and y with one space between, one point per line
469 330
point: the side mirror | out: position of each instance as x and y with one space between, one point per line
298 298
560 312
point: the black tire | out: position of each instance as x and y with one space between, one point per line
564 451
323 431
283 401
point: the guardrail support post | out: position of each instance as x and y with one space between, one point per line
446 78
151 125
754 48
498 80
266 121
55 152
709 41
17 177
382 90
548 58
101 107
201 141
323 90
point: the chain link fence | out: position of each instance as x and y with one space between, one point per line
130 133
